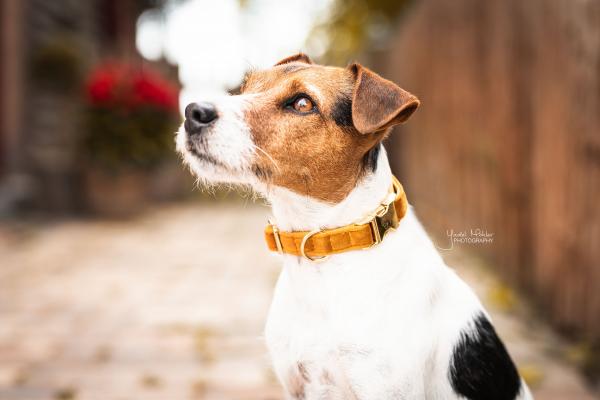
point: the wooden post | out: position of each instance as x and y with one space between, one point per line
11 83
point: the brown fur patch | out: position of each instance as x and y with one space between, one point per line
318 154
301 57
378 103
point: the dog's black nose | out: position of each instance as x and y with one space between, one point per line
199 115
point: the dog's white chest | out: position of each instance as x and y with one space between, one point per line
358 326
333 349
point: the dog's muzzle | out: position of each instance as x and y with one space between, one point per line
198 116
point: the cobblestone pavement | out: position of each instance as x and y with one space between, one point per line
163 307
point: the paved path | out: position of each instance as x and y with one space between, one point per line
162 308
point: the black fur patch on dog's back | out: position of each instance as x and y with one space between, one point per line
480 368
342 111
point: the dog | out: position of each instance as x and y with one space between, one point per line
372 313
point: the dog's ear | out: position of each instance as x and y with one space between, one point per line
300 57
377 103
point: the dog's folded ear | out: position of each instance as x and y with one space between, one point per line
300 57
377 103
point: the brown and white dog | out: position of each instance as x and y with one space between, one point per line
390 322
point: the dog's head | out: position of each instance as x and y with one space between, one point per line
309 128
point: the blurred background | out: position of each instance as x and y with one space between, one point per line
110 286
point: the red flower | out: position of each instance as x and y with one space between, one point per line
151 89
126 87
101 86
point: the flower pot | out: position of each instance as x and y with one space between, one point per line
120 193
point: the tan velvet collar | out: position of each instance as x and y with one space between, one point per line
366 233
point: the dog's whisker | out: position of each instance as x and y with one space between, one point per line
257 147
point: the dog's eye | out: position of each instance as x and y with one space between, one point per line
303 104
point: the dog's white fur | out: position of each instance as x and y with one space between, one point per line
373 324
230 143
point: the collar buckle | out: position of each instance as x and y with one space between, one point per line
384 220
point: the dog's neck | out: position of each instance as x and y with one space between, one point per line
294 212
